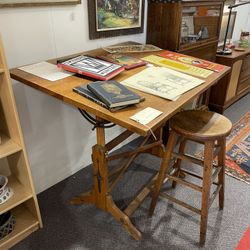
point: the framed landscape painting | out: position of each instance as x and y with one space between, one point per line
115 17
25 3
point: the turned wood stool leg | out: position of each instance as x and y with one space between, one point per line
178 162
207 181
163 169
221 176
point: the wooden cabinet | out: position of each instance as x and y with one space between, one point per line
14 164
234 85
188 27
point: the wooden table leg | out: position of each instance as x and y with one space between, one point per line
123 218
165 164
99 195
87 197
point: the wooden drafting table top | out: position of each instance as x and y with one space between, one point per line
62 89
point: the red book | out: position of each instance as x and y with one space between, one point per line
92 67
192 60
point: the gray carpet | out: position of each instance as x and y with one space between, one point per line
68 227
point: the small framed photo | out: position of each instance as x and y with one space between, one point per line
109 18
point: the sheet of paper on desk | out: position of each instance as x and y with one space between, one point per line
146 115
163 82
46 70
182 67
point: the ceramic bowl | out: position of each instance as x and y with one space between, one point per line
5 191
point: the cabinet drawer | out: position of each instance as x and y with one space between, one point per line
245 73
246 63
243 85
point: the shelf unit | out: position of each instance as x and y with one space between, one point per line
14 164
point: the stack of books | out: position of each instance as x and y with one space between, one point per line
109 94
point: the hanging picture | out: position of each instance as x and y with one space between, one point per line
115 17
26 3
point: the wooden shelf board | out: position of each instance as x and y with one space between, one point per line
8 146
25 224
20 195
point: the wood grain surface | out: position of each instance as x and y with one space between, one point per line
62 89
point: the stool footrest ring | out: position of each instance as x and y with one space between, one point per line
181 203
186 183
188 158
195 175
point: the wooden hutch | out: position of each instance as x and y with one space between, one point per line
188 27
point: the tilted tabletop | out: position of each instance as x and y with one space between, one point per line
62 89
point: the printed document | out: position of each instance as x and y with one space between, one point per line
163 82
46 70
179 66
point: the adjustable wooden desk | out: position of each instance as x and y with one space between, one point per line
103 179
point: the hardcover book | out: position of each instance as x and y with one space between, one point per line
113 94
128 62
91 67
83 91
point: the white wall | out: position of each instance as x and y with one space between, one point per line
58 139
242 21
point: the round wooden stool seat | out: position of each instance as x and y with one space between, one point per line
201 125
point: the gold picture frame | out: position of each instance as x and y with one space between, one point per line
31 3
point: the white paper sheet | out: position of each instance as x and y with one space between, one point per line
146 115
46 70
163 82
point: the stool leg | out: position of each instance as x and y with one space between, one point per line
207 181
221 176
163 169
178 162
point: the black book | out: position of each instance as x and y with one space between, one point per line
83 91
113 94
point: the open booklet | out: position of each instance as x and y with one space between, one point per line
163 82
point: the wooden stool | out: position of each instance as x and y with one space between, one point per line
211 130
